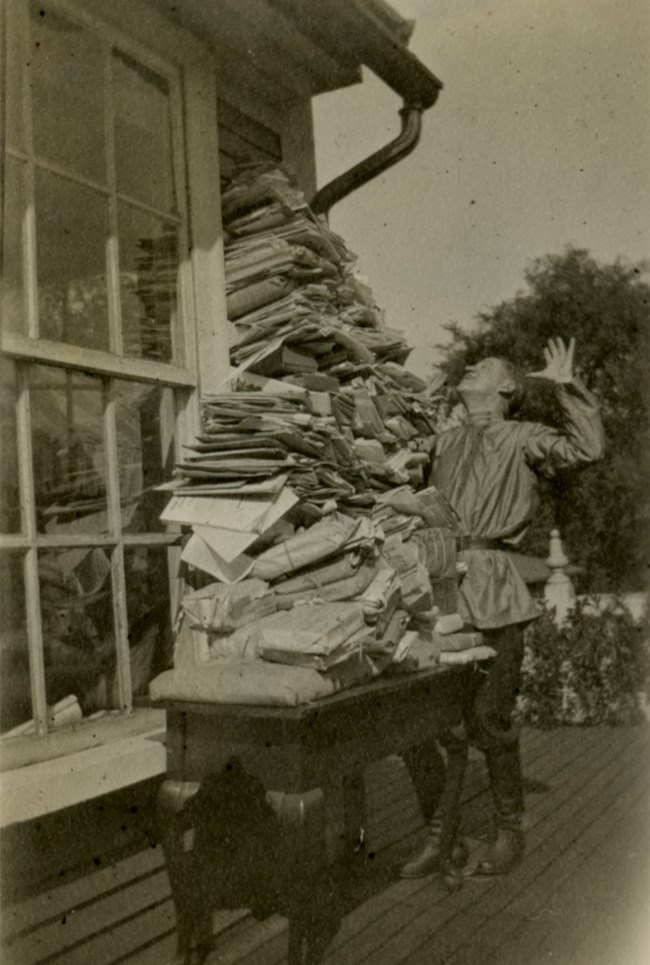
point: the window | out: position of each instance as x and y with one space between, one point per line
96 371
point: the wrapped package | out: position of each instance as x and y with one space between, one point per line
467 656
406 558
326 538
387 639
242 682
309 629
459 641
439 547
418 651
349 652
430 504
318 576
449 623
346 589
224 607
382 593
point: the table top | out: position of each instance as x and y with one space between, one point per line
392 685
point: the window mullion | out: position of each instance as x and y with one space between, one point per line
120 614
169 439
112 246
184 306
29 215
32 589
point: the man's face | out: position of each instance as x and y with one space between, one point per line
486 377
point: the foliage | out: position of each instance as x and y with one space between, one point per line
588 671
604 510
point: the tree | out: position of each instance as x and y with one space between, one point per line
603 511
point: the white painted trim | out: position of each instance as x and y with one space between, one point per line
90 360
32 792
207 255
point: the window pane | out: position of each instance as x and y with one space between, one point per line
147 599
71 231
13 313
11 51
67 93
68 452
15 695
149 258
143 460
78 634
9 485
143 143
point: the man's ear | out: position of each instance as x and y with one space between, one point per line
507 388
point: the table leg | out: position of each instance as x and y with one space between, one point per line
354 806
312 918
176 835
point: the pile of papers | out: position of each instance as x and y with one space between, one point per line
312 540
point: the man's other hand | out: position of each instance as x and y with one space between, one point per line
559 362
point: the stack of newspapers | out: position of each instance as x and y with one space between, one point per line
312 539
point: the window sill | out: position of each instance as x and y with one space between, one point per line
27 750
42 788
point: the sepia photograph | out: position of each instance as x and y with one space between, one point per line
324 482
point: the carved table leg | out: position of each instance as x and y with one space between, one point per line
312 921
354 805
176 836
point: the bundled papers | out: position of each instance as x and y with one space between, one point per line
221 608
304 492
323 540
310 629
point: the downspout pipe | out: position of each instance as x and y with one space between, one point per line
374 165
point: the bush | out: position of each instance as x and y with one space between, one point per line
588 671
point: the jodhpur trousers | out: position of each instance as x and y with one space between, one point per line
487 725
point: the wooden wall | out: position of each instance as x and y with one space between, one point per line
88 884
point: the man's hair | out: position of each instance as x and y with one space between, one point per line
515 398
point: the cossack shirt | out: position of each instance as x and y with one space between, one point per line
488 469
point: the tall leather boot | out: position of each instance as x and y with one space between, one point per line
439 788
428 857
508 848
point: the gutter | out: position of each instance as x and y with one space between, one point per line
372 166
379 49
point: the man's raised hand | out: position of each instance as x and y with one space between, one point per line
559 362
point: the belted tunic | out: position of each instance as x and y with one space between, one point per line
488 469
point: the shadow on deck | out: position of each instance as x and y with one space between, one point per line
580 897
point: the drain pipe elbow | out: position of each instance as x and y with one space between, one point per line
374 165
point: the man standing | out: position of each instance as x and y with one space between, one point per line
487 469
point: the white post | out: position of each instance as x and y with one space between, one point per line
558 591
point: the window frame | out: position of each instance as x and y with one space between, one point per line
177 383
203 73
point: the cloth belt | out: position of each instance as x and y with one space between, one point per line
464 543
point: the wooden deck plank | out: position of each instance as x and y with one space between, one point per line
489 939
426 905
73 895
377 920
578 763
587 826
594 910
73 928
556 825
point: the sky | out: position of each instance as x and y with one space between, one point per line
539 139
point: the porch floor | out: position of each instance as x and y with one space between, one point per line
580 897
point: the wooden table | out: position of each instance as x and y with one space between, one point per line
246 809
